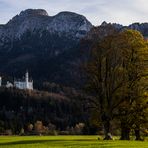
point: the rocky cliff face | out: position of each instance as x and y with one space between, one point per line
143 28
72 24
108 28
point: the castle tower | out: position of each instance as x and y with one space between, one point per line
0 81
27 79
27 76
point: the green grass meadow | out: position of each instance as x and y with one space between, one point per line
66 142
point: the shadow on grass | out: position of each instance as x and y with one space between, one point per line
24 142
42 141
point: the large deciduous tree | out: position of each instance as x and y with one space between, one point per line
104 73
134 51
114 73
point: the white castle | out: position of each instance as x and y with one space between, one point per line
24 84
20 84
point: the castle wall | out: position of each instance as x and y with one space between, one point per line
23 85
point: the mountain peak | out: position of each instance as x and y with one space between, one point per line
34 12
104 23
68 13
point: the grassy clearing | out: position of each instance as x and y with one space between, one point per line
66 142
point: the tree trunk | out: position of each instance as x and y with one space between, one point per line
137 134
125 132
107 132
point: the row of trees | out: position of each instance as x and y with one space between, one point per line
117 79
20 108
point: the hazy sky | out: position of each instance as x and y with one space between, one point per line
96 11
